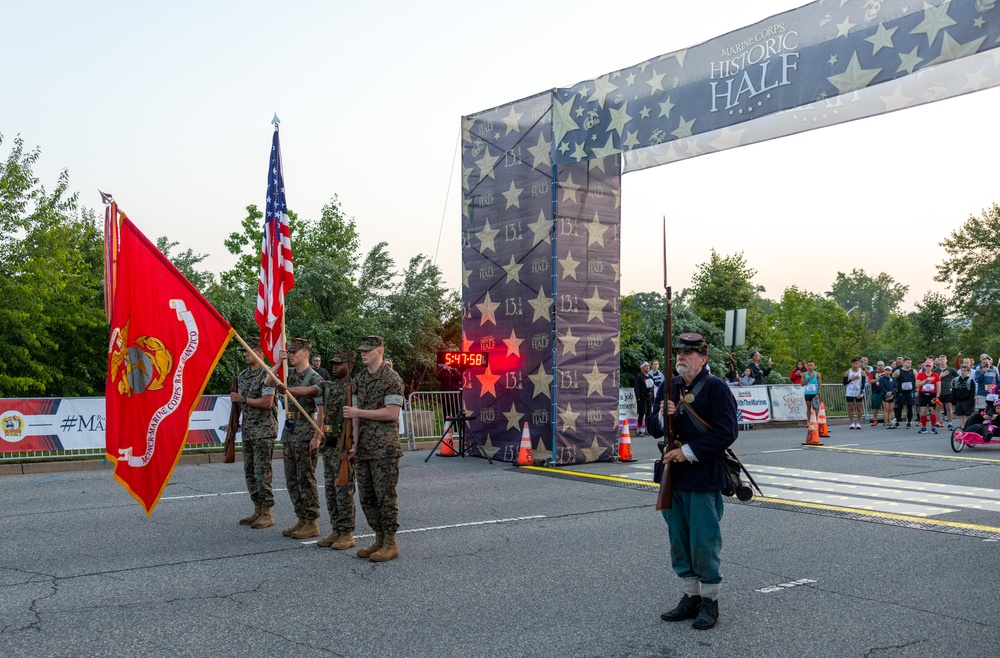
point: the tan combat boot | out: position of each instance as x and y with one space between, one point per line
265 520
308 529
345 542
253 517
288 531
389 551
366 552
330 539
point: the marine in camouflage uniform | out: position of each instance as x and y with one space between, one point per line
339 500
299 452
379 391
260 428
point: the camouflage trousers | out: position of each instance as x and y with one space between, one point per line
300 478
339 500
377 479
257 455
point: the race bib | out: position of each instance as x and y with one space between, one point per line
649 383
907 386
811 388
929 388
992 397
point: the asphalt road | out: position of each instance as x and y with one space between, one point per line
499 561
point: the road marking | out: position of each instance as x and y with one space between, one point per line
872 451
783 586
856 503
775 500
768 452
850 480
514 519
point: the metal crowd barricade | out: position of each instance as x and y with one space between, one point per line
425 412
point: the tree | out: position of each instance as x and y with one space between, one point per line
185 262
722 284
807 326
876 298
936 332
642 332
52 325
972 272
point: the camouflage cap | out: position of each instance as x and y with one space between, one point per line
370 342
296 344
342 356
252 343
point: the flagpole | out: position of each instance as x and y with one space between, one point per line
263 364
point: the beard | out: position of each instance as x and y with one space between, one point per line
684 370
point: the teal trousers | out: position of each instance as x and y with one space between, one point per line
695 534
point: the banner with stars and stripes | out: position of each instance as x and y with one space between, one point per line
825 63
540 287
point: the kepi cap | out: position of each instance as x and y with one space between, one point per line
692 342
370 342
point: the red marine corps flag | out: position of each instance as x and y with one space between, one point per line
165 341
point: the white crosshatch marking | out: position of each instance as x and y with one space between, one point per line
909 497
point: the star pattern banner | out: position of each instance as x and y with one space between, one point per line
825 63
540 287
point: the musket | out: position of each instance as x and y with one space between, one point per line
347 429
665 497
234 420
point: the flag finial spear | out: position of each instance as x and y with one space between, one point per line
275 120
106 198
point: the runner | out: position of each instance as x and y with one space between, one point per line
854 380
929 387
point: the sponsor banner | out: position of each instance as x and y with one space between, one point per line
752 405
627 409
46 424
788 402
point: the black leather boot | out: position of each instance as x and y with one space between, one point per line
708 615
686 609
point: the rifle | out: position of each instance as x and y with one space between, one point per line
234 421
348 432
665 497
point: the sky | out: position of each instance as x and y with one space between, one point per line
168 106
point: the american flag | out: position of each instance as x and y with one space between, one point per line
276 275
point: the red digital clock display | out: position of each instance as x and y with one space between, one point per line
464 359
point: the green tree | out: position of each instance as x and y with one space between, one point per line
722 284
52 327
642 332
185 262
806 326
876 298
937 333
972 272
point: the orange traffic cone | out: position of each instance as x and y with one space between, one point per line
824 431
524 455
447 444
625 445
812 435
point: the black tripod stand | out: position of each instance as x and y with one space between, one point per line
460 423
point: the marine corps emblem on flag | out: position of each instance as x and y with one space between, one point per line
143 366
